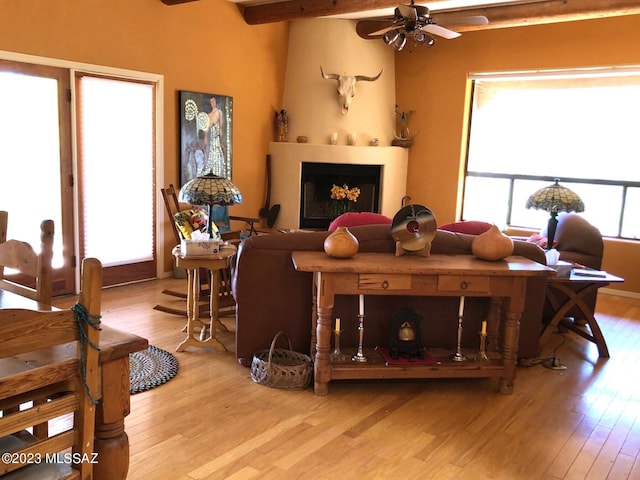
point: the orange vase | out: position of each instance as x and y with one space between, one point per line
341 243
492 245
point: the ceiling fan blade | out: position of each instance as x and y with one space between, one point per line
383 30
367 28
440 31
408 11
470 20
421 11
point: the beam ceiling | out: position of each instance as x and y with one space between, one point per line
527 12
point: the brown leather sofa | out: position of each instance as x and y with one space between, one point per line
272 296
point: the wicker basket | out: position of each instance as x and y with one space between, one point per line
280 368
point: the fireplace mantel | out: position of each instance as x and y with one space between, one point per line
286 173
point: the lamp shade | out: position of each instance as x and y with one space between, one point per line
556 198
553 199
210 189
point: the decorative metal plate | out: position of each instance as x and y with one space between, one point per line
414 226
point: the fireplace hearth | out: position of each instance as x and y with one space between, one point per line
287 185
315 190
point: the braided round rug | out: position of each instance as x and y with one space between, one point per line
151 368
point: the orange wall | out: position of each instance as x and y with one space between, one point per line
202 46
433 82
206 46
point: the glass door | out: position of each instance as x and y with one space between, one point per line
35 160
104 205
116 166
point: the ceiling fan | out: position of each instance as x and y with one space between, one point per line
411 20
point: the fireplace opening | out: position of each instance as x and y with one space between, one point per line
317 180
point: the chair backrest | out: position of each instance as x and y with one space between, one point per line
32 267
172 206
66 373
579 241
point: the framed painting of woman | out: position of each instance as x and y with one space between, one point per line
206 135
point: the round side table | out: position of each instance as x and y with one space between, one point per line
193 264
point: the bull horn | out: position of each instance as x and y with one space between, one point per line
330 76
368 79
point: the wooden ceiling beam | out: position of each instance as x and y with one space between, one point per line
295 9
500 16
544 12
176 2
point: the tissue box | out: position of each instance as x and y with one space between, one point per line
562 268
199 248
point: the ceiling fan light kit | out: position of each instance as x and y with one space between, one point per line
412 21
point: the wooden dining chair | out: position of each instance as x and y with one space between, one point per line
33 277
51 354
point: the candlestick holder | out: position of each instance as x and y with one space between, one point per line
458 356
359 356
337 355
482 356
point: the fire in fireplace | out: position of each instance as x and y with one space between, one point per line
317 180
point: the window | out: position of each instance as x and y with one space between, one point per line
527 129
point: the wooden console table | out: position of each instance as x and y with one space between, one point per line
436 275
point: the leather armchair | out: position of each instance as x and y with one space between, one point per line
579 242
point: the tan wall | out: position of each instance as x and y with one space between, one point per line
202 46
312 102
434 83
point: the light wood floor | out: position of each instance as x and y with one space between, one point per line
213 422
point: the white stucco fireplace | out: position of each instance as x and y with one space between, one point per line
314 113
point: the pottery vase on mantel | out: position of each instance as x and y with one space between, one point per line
341 243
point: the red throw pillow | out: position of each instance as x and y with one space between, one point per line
539 240
471 227
354 219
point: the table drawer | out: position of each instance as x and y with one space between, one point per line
456 283
381 281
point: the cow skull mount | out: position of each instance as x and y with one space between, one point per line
347 86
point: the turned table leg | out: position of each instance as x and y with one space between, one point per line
111 441
512 334
324 306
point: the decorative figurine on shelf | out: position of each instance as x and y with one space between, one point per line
282 125
403 139
406 335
